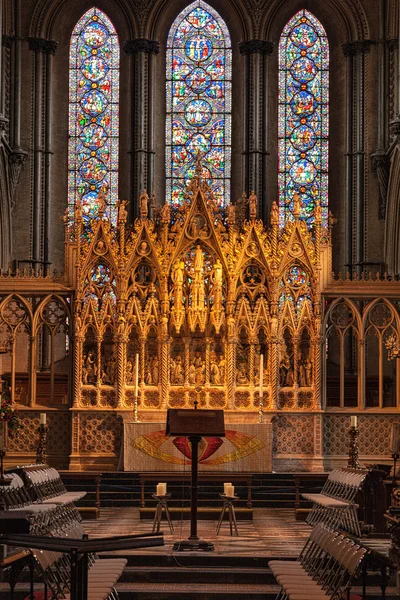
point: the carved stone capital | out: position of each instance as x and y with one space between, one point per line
393 43
256 47
357 47
16 159
7 40
42 45
141 45
395 128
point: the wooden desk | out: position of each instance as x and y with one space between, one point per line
299 477
247 478
80 475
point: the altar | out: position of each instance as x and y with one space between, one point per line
246 448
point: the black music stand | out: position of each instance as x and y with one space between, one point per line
194 424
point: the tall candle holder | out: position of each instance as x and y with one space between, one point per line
261 410
41 450
353 462
395 457
135 409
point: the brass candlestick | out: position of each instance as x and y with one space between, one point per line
41 454
135 409
353 462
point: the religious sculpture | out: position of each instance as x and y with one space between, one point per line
252 205
274 213
165 213
122 212
144 205
231 210
306 372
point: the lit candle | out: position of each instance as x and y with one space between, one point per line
261 374
161 489
43 418
137 375
353 422
227 485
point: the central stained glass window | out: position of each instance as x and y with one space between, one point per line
93 115
198 102
303 117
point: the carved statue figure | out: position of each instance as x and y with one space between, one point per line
122 212
177 375
274 213
241 375
198 263
192 374
217 273
231 214
284 369
89 371
165 213
215 374
78 210
129 371
318 212
296 205
101 204
222 368
148 376
144 205
253 205
306 372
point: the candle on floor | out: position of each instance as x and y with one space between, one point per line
161 489
226 485
353 422
261 390
43 418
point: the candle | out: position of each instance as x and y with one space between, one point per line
227 485
261 375
230 491
137 375
43 418
353 422
161 489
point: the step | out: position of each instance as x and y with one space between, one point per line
203 513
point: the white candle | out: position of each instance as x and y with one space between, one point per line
261 375
43 418
353 422
137 375
161 489
227 485
230 491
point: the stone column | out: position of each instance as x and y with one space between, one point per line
49 51
142 53
355 213
255 119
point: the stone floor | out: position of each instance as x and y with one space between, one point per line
273 532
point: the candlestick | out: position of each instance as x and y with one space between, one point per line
353 462
261 388
136 392
136 374
41 454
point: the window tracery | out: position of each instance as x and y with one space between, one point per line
303 117
93 115
198 102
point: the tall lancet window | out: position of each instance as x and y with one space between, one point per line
199 60
303 116
93 114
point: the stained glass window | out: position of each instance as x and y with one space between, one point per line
303 117
198 101
93 114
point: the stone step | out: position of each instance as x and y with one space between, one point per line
204 513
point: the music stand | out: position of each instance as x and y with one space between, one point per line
194 424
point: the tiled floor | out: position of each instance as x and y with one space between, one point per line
273 532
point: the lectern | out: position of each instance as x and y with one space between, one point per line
194 424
